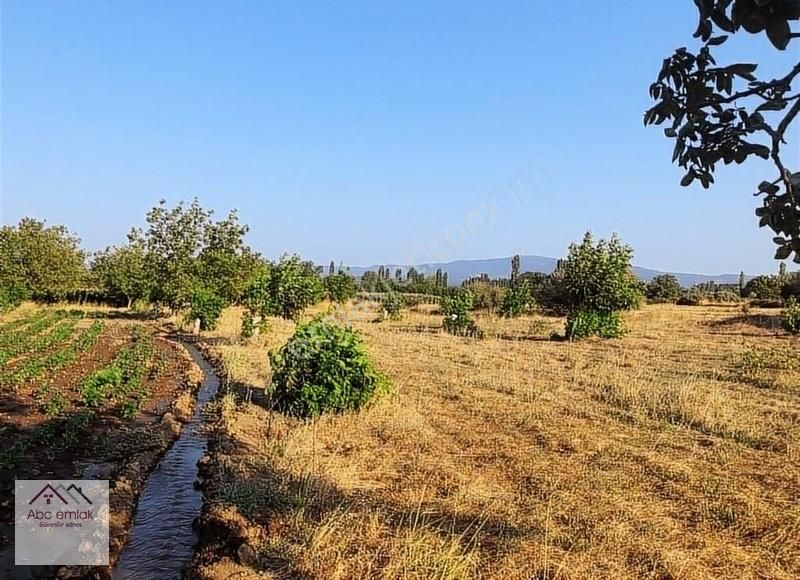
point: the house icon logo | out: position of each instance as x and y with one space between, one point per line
60 496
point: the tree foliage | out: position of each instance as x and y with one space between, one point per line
764 288
39 261
124 272
726 114
340 287
186 248
284 289
206 306
664 288
518 300
457 317
598 277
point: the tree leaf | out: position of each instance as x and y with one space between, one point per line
783 252
778 32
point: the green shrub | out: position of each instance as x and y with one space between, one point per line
323 368
11 295
691 298
583 323
664 288
393 304
457 318
517 301
597 282
51 401
98 386
791 316
207 307
764 288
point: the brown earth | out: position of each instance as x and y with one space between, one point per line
669 453
109 446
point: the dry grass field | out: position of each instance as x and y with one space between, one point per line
670 453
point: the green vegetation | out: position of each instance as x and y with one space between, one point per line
393 305
582 323
33 367
323 368
340 287
764 288
597 283
664 288
518 300
457 317
725 114
206 306
791 316
38 261
284 289
121 380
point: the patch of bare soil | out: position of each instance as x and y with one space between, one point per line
103 446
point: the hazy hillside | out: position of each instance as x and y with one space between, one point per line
460 270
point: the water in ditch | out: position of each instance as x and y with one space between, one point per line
162 539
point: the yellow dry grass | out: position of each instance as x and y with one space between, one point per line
669 453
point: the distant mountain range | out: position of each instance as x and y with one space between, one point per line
460 270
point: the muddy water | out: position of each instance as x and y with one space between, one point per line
162 539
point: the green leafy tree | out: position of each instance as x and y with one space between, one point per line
41 261
597 283
664 288
285 289
791 316
124 271
518 300
725 114
393 304
457 316
340 287
185 249
764 288
225 263
487 294
206 306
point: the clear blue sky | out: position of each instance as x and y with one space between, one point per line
366 132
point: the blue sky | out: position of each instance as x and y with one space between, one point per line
368 132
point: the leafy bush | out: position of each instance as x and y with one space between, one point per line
517 301
340 287
487 295
323 367
51 401
11 295
457 318
251 322
583 323
664 288
693 297
393 305
597 282
764 288
207 307
97 387
791 316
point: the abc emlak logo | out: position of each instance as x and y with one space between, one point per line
61 499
